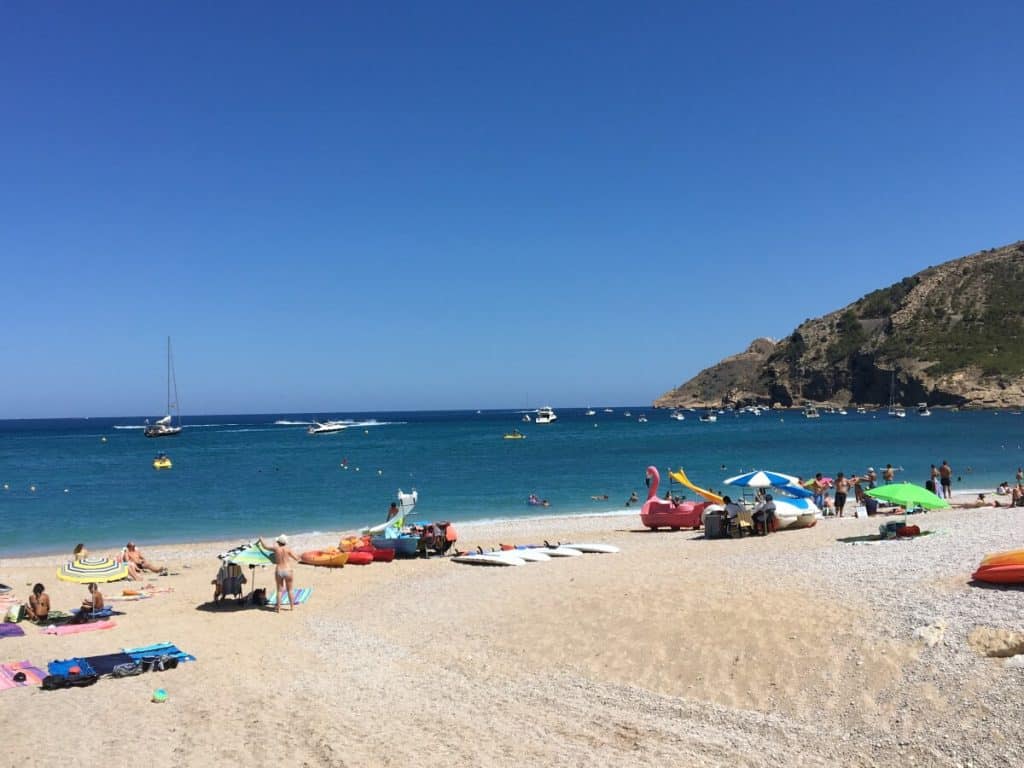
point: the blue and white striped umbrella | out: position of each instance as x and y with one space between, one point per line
763 479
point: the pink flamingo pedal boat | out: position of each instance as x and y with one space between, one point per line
664 513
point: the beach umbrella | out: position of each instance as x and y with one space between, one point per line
252 554
764 479
908 495
89 569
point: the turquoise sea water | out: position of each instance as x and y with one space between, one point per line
237 476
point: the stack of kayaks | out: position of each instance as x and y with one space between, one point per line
1002 568
530 553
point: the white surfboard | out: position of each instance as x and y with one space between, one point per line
602 548
530 555
488 559
559 551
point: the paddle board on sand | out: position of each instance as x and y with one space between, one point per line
560 551
530 555
602 548
488 559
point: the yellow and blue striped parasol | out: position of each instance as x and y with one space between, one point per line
89 569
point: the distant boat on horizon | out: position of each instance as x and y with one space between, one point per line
165 427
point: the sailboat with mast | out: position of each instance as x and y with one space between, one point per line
896 411
166 427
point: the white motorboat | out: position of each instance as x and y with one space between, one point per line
642 419
166 427
609 410
677 416
810 412
591 412
709 416
526 418
922 409
326 427
545 415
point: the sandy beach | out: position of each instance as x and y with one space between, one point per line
799 648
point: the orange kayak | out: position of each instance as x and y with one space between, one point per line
327 558
1014 557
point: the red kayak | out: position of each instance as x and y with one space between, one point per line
359 558
1000 574
379 555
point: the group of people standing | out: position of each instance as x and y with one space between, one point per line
940 480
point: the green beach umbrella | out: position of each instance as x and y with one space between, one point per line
253 554
908 495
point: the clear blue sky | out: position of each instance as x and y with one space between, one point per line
431 205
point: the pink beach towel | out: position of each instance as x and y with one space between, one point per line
74 629
33 675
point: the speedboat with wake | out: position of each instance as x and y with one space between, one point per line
326 427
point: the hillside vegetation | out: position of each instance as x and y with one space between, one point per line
951 334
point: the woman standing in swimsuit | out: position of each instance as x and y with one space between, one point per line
282 572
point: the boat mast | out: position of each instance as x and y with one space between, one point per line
168 375
172 379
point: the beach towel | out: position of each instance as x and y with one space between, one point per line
74 629
62 667
11 630
301 596
158 649
107 663
67 673
33 675
102 613
126 598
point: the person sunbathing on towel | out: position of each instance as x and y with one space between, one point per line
38 606
134 556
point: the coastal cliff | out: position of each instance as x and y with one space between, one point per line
951 335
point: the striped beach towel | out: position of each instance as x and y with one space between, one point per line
33 675
301 596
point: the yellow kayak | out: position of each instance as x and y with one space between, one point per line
515 436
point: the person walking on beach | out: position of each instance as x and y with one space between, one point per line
946 479
888 474
842 486
872 478
281 554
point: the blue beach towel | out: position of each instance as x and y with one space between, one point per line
159 649
60 667
301 596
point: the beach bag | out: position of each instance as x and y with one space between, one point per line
15 613
127 670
